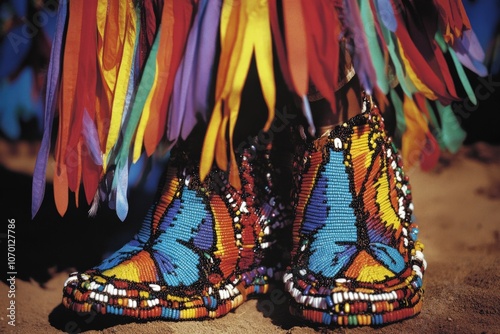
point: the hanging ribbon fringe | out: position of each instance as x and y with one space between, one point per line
142 71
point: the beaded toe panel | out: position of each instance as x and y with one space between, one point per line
356 257
198 254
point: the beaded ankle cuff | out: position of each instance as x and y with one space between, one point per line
356 259
199 253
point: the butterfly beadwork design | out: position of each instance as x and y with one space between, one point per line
351 220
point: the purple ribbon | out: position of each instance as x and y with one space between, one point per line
192 82
53 75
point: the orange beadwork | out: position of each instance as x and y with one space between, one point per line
353 236
199 253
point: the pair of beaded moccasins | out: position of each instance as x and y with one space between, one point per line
205 247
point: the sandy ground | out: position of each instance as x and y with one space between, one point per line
457 208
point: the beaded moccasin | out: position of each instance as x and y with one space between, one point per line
199 253
356 259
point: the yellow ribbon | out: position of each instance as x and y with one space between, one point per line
108 49
116 54
421 87
245 30
414 136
